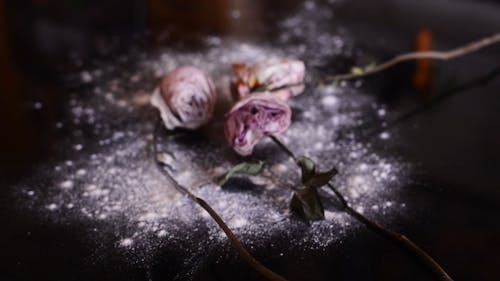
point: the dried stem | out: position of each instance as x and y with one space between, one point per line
395 237
480 81
284 147
437 55
237 245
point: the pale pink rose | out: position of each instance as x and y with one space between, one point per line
185 98
254 117
272 75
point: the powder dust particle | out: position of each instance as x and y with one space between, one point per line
126 242
67 184
385 135
110 181
52 207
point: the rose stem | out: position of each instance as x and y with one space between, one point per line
437 55
389 234
237 245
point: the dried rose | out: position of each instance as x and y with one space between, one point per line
185 98
271 75
254 117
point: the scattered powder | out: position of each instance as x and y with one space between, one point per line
67 184
385 135
329 101
114 182
126 242
381 112
38 105
81 172
162 233
86 77
52 207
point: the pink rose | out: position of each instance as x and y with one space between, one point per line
272 75
185 98
254 117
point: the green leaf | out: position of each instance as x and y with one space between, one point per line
311 178
321 178
249 168
307 204
307 167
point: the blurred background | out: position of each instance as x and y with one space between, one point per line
458 140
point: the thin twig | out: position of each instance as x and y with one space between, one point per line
237 245
394 236
437 55
389 234
480 81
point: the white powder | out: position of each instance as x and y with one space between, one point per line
52 207
81 172
38 105
237 222
86 77
329 101
66 184
114 182
381 112
385 135
126 242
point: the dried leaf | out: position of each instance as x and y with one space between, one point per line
311 178
321 178
249 168
307 204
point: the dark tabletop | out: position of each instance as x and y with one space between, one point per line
450 139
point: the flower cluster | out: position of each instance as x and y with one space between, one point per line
186 98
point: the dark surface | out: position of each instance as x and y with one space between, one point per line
455 144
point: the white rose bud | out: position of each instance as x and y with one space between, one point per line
185 98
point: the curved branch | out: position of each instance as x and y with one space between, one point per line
437 55
395 237
389 234
237 245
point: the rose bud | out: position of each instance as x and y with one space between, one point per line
185 98
254 117
270 75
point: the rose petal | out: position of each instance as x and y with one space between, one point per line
254 117
185 98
